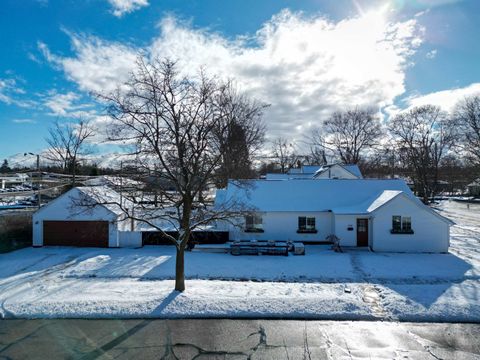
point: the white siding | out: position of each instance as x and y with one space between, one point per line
284 226
342 223
130 238
62 209
349 237
431 234
336 172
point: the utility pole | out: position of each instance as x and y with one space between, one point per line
39 182
121 184
39 194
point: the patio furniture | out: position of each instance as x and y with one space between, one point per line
259 248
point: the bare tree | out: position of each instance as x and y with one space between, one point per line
284 152
171 125
318 149
242 137
423 136
467 116
67 143
351 133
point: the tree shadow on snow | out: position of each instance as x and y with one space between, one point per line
162 307
421 278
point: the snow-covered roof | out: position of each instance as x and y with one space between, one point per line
310 195
304 169
384 198
354 169
340 196
106 197
275 176
91 196
476 182
310 169
351 168
109 180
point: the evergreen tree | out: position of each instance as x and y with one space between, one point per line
5 168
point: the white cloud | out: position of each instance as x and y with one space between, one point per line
5 86
306 67
11 93
24 121
431 54
68 105
98 65
72 106
61 104
446 99
122 7
46 52
433 3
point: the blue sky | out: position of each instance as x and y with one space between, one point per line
306 58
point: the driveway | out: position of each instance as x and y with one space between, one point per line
235 339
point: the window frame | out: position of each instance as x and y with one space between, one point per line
400 225
407 225
256 223
309 225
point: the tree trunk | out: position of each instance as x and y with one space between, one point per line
180 270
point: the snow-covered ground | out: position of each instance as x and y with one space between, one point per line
100 283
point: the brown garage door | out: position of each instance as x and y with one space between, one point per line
75 233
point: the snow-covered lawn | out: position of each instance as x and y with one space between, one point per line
80 282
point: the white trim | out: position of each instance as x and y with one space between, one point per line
67 193
419 205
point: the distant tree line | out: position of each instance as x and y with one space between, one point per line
434 150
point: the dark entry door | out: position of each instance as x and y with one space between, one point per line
362 232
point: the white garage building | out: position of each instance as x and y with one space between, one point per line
66 221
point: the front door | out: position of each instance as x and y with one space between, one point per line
362 232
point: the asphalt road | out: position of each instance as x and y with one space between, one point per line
235 339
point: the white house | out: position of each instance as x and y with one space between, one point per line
474 188
382 214
14 179
338 171
85 216
332 171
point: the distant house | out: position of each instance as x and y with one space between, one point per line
338 171
474 188
13 179
332 171
382 214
